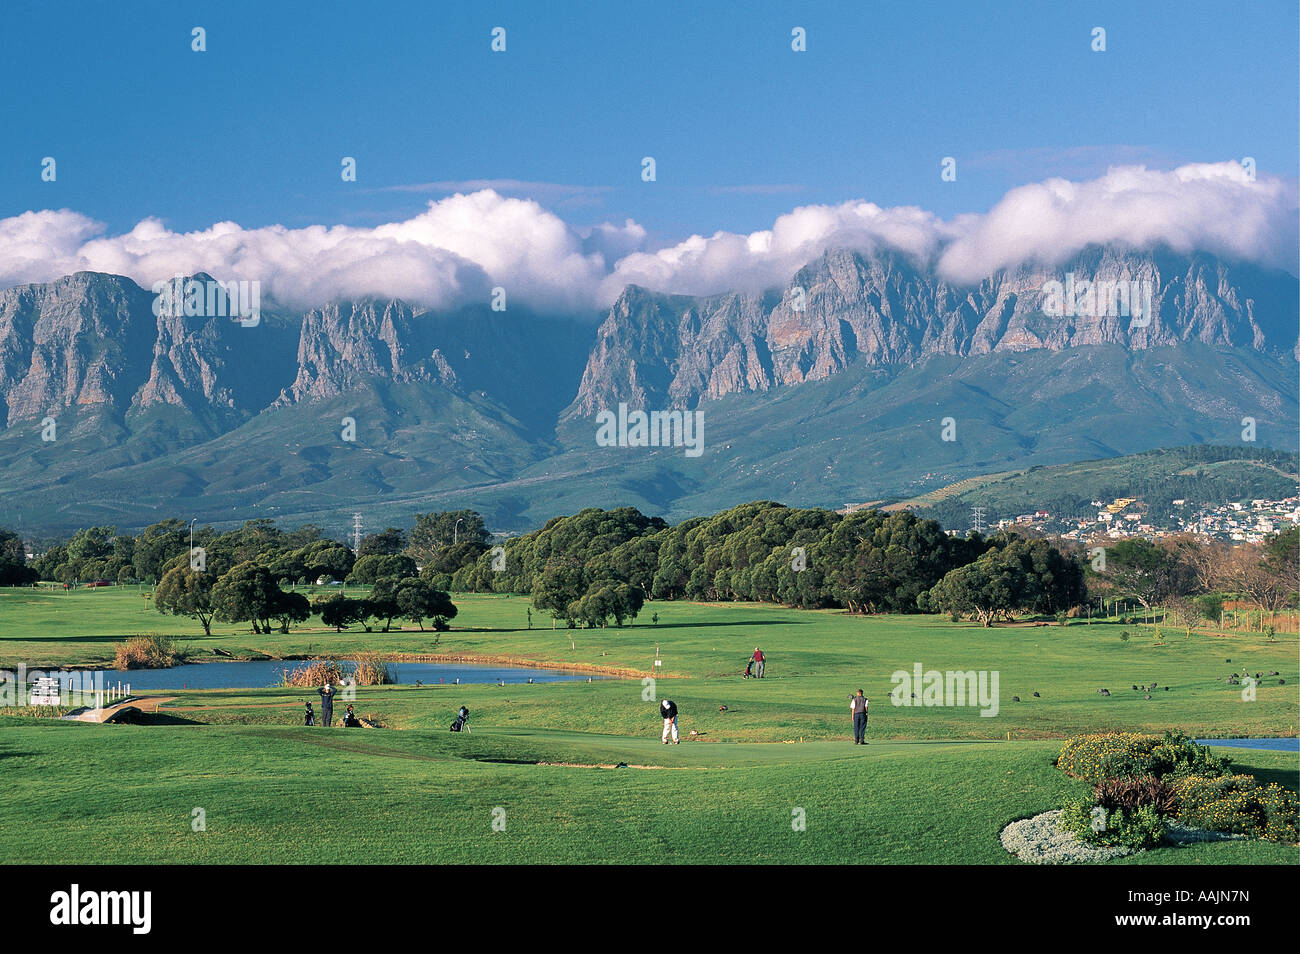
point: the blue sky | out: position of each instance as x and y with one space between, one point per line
742 128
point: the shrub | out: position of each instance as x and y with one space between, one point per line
1136 829
1238 803
1127 794
1210 606
1124 754
147 652
317 672
372 670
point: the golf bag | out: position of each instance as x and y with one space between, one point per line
749 670
462 720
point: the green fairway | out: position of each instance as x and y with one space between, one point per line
817 658
936 784
300 795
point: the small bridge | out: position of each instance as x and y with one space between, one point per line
119 711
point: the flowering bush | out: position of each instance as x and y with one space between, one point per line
1238 803
1125 754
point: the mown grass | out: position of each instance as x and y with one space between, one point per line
128 794
936 784
816 660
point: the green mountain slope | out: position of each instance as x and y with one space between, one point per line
1201 476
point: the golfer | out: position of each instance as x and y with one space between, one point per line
759 661
668 709
858 706
326 704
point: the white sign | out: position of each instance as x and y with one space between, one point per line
45 691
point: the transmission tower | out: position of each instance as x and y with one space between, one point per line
977 519
356 532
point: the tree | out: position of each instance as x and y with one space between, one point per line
248 592
1205 560
382 603
254 537
326 558
156 545
447 541
993 585
14 570
1137 568
48 564
1265 574
442 562
1282 552
339 611
1054 579
388 542
286 566
558 588
377 567
876 561
1210 606
289 608
416 601
92 545
621 602
186 592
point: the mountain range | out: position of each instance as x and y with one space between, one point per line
839 388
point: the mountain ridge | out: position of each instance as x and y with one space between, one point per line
499 406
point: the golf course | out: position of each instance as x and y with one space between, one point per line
766 771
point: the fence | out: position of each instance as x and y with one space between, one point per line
111 695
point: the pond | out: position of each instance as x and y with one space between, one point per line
261 674
1274 745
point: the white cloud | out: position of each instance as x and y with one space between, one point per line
463 245
728 261
1205 207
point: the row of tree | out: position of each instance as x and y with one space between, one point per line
250 592
1191 574
599 566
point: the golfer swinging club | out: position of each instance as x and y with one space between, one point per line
668 709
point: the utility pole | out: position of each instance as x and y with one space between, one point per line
356 532
977 519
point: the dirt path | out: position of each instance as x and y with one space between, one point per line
252 705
